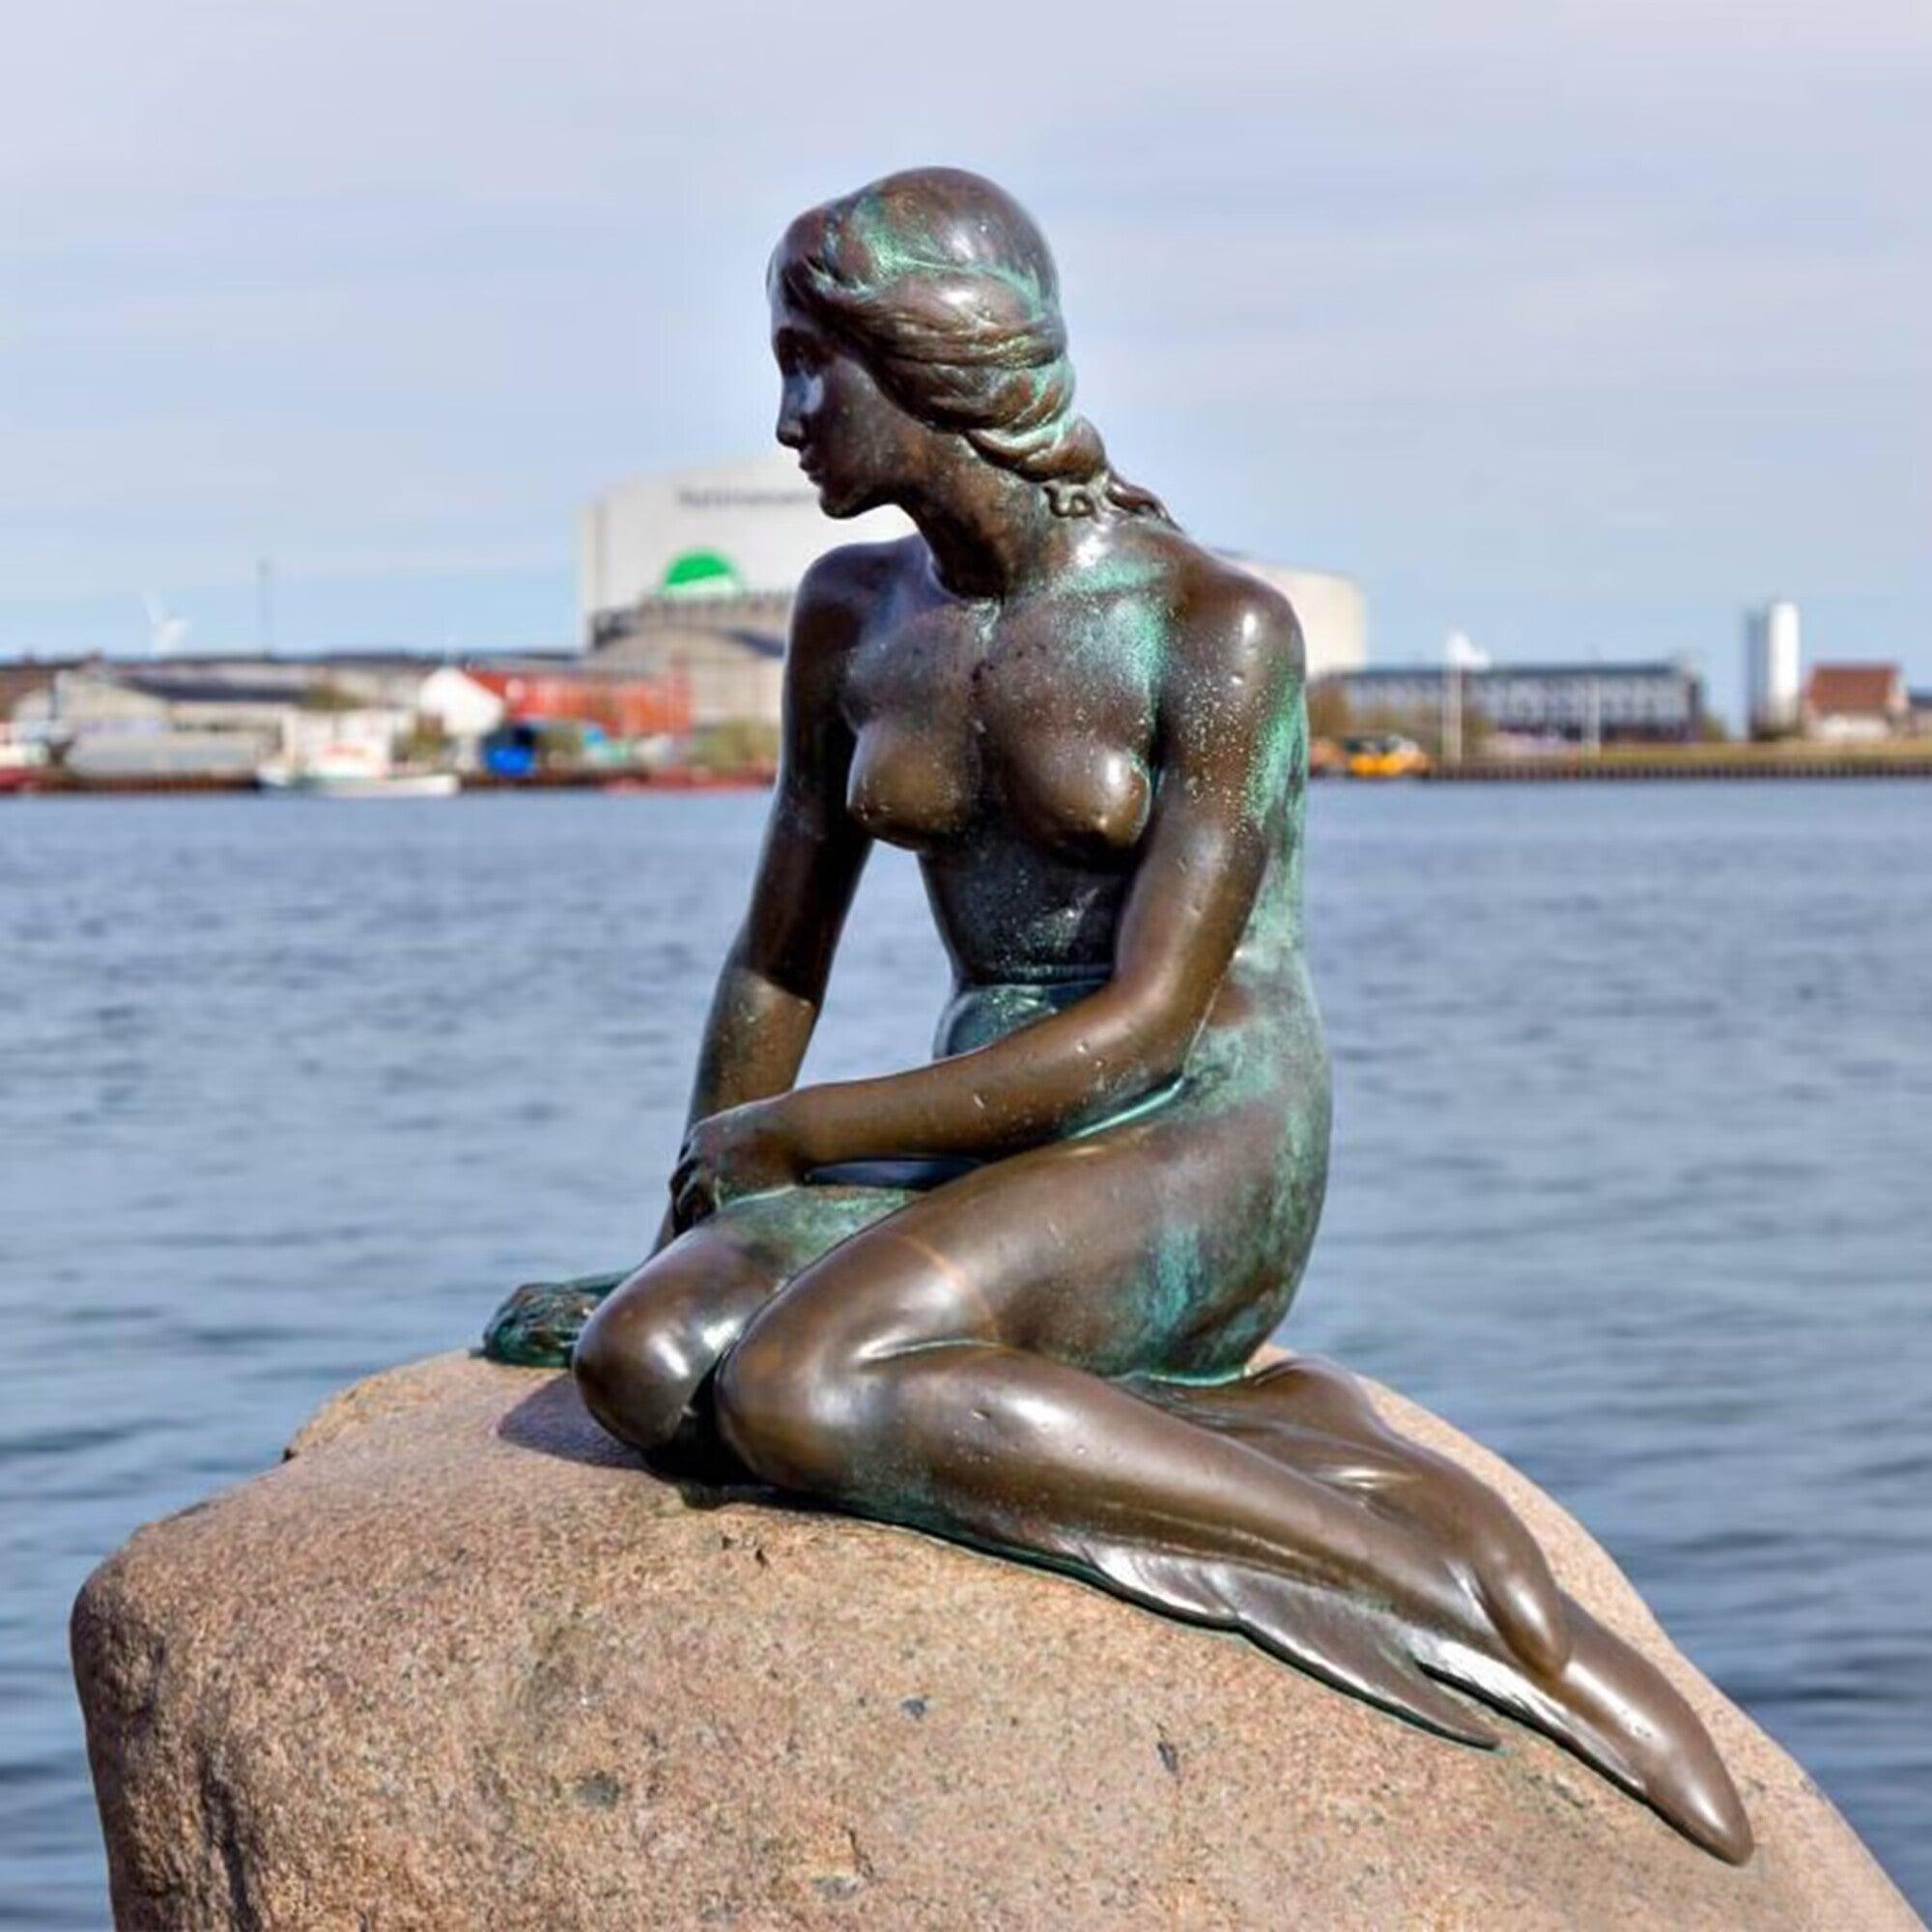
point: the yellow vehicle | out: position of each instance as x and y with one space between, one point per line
1385 755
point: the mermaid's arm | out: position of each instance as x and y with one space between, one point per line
773 982
1227 730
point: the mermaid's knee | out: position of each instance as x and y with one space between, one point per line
636 1379
836 1388
793 1407
644 1358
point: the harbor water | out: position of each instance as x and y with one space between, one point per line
1633 1176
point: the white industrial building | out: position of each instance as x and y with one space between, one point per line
738 528
691 574
1772 679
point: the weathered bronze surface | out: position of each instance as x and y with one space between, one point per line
1009 1296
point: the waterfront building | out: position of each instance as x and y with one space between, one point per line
24 676
461 706
1772 658
726 654
108 720
724 531
611 697
690 577
1847 703
1573 703
225 716
101 723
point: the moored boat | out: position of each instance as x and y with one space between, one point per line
352 770
391 784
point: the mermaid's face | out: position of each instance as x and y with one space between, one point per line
858 446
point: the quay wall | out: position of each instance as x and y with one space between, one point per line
1557 771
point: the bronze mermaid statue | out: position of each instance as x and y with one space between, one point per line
1010 1296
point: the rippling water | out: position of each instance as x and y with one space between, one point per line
1635 1105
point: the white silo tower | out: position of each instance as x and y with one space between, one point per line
1772 666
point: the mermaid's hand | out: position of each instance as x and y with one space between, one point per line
748 1150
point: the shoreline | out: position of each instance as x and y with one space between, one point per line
1740 763
1640 768
676 778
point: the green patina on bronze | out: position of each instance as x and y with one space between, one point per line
538 1323
1032 1333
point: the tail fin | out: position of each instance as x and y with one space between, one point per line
1618 1712
1301 1625
1546 1662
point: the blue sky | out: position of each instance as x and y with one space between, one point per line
1576 329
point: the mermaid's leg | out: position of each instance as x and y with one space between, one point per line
647 1350
1033 1455
645 1360
939 1369
536 1325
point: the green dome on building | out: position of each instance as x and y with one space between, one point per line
700 573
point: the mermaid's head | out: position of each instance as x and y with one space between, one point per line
930 296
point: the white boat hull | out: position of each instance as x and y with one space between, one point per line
396 785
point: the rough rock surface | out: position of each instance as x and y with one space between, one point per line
460 1663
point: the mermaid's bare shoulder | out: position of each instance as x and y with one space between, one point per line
843 588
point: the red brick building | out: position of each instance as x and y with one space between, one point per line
619 705
1855 701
